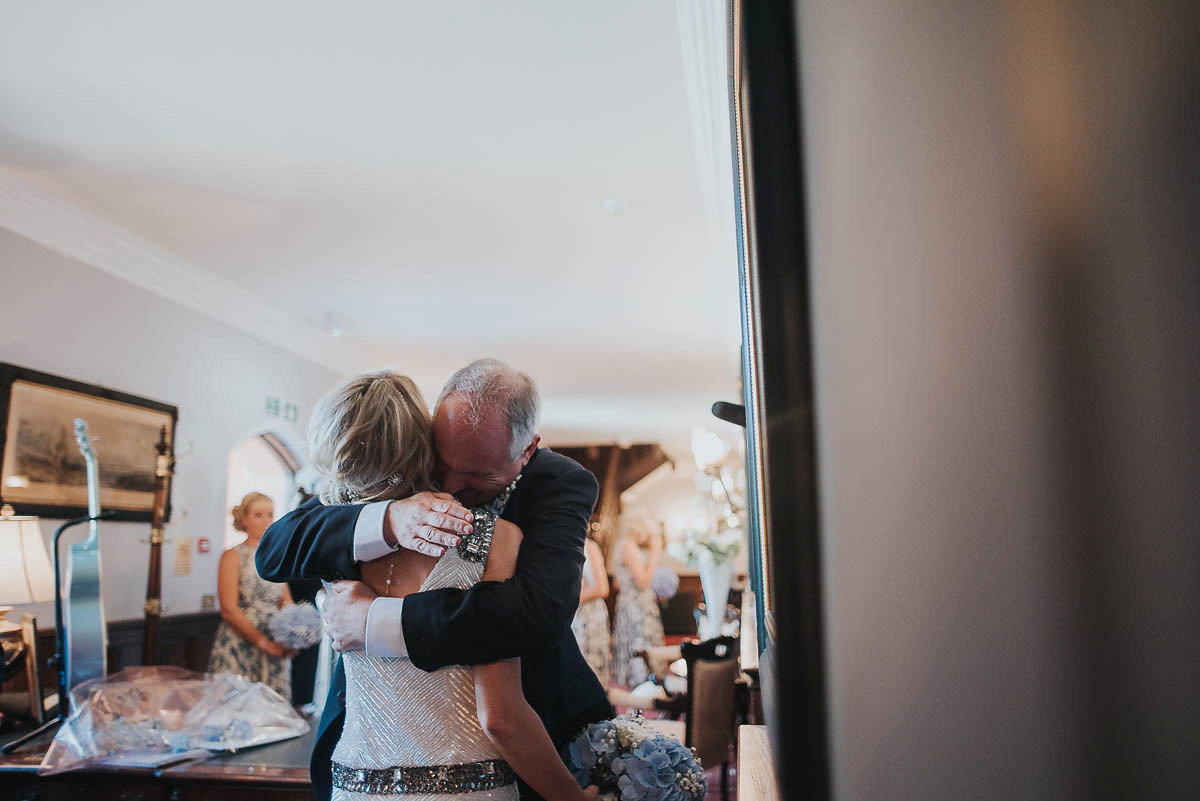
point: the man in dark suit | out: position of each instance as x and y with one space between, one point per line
485 439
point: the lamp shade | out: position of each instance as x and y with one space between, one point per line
25 573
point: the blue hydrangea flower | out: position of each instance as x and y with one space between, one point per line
602 737
650 767
580 760
629 790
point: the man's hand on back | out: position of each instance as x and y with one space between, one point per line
428 522
344 610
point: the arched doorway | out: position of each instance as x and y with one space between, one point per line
268 462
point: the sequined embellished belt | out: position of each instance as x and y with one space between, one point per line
435 779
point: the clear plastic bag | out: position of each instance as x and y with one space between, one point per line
164 710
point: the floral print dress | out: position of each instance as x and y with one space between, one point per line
638 625
590 628
232 653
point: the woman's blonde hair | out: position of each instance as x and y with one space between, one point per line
638 523
242 509
372 439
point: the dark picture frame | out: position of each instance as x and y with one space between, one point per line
41 468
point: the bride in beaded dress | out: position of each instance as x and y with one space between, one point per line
458 733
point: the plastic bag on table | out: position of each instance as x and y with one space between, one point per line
163 710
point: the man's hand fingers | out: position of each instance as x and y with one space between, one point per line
448 506
437 536
429 549
448 523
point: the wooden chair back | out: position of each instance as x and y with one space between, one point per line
712 669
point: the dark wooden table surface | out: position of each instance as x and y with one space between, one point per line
275 772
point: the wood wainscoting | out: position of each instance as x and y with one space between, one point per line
184 641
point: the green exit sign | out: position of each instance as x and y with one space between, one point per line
284 409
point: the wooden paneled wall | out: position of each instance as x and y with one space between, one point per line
184 641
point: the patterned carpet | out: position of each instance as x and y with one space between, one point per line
712 779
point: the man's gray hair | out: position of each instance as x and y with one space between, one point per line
490 385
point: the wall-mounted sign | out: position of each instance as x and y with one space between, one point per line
183 556
284 409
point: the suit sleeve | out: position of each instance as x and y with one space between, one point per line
525 614
310 542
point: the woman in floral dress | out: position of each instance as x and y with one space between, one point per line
638 624
591 618
242 645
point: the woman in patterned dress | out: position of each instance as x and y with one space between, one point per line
638 626
591 618
242 645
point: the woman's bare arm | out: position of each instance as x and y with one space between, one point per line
504 713
598 586
519 735
502 559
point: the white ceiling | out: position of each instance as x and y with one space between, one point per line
435 175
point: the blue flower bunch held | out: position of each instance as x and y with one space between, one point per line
664 582
296 626
629 761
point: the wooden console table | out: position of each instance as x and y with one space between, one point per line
756 767
276 772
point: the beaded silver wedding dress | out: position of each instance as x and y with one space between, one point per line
415 735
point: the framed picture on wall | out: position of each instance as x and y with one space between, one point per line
41 468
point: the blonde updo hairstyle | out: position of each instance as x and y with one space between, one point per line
242 509
372 439
639 527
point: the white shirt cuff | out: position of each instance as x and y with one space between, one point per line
369 543
385 634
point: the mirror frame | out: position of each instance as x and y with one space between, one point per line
778 391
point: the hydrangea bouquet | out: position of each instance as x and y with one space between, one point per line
664 582
296 626
629 761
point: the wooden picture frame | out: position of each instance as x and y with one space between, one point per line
41 469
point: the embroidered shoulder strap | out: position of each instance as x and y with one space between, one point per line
476 545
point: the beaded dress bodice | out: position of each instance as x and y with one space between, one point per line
398 715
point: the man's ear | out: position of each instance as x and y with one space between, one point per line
528 452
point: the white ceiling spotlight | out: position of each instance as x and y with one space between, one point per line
336 324
613 206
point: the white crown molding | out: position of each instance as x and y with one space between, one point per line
43 218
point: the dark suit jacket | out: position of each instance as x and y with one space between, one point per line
527 616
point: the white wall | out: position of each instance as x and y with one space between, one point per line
63 317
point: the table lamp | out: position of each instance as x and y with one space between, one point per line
25 577
22 540
25 573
